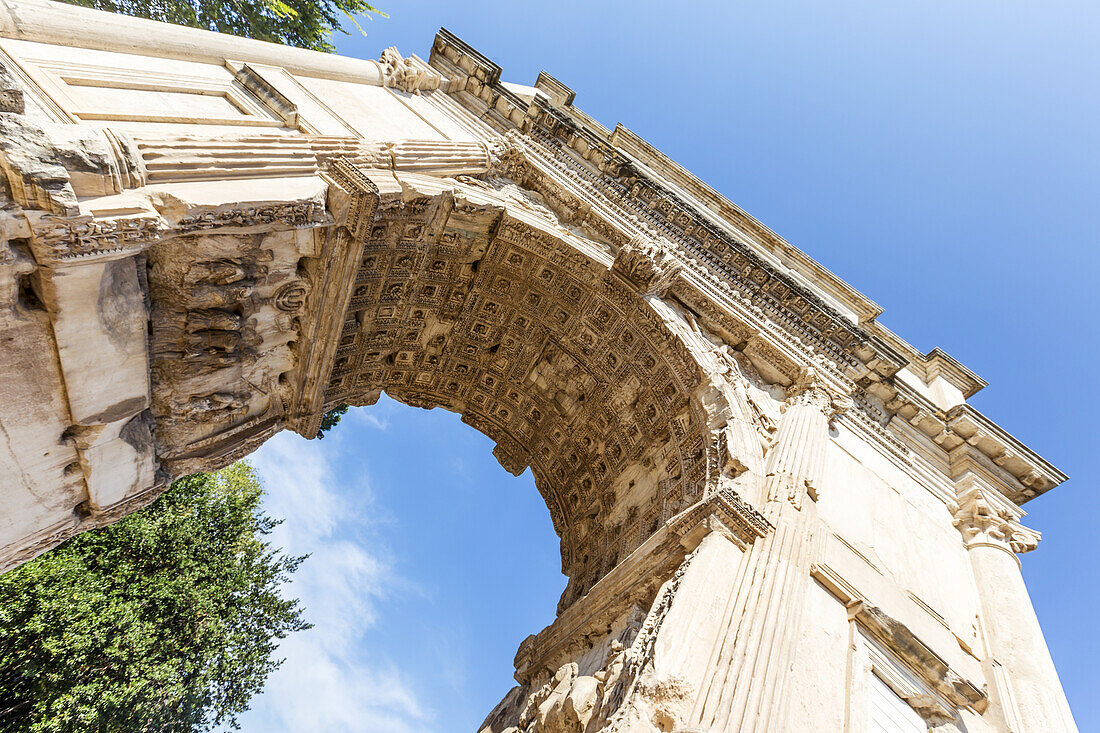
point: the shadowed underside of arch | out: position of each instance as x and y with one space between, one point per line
477 299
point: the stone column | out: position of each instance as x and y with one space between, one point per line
744 686
172 159
1027 690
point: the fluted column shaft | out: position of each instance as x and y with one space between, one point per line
745 685
1027 690
199 157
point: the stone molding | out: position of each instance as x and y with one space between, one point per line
297 214
952 686
329 300
725 512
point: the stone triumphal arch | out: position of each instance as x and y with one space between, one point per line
774 513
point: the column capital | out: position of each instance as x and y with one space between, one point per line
987 518
811 389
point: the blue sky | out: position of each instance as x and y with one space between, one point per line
942 157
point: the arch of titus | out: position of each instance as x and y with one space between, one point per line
775 514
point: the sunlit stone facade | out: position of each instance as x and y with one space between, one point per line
775 514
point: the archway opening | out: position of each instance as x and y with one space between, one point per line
501 314
430 565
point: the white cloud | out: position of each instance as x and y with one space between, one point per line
375 417
330 682
373 421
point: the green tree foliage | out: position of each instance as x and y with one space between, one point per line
304 23
332 418
164 621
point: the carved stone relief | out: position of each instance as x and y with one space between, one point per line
223 332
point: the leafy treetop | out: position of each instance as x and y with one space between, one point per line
303 23
166 620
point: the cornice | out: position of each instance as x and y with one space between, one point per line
553 88
935 363
903 643
983 437
731 214
964 429
939 363
473 63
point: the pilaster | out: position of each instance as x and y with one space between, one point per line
744 686
795 462
1028 696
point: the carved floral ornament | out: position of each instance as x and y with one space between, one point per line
646 265
58 238
80 237
986 518
810 389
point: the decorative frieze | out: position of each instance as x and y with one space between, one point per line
62 240
295 214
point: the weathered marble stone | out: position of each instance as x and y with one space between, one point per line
775 514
